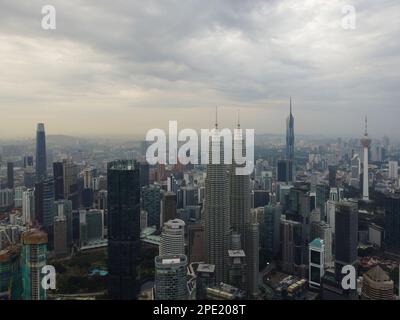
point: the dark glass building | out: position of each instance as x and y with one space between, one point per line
392 222
58 180
10 175
41 158
346 235
332 176
123 179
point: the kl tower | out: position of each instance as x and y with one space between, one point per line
365 141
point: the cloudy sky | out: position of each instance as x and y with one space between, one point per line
123 67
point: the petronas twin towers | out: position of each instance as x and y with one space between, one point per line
227 205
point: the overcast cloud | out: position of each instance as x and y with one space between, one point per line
124 67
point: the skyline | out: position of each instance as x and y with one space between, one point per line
126 68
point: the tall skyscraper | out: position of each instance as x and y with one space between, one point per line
151 203
346 235
316 262
392 221
332 170
168 206
10 175
365 142
173 238
216 208
34 258
393 170
58 176
290 142
252 247
123 179
239 188
41 156
28 206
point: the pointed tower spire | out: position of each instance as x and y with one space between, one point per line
216 117
238 119
366 126
290 105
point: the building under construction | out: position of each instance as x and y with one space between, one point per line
33 258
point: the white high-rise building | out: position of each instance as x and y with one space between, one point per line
173 238
28 206
365 142
393 170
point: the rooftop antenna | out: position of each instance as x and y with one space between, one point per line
238 119
366 126
216 117
290 105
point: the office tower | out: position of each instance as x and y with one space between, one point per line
63 209
28 206
205 278
10 175
237 275
355 171
168 206
144 174
41 156
70 176
260 198
270 231
346 236
239 189
33 258
94 224
322 195
292 245
143 219
58 176
173 238
189 195
323 231
102 200
44 203
123 179
392 221
336 194
18 193
365 142
376 285
151 203
332 170
196 242
28 161
284 170
216 208
6 198
29 177
252 247
171 278
60 236
316 262
290 143
393 170
89 174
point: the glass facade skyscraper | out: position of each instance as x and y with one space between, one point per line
41 157
123 180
